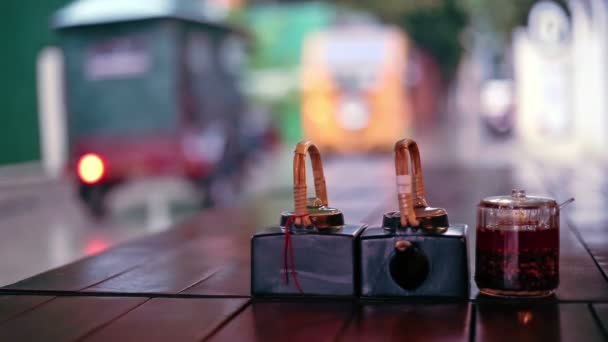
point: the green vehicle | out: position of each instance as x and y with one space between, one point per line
151 90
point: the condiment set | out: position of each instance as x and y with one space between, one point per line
415 253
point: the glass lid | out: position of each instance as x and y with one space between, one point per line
518 200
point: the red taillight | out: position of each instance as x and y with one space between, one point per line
90 168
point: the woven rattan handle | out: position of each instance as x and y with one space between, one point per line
299 178
405 183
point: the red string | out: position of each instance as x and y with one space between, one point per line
288 258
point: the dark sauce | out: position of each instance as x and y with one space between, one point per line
511 260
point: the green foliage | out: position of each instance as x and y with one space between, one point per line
279 31
503 16
438 30
437 25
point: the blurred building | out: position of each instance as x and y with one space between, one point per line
561 76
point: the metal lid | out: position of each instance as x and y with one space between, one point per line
322 217
518 200
432 220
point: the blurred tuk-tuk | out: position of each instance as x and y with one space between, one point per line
151 90
353 88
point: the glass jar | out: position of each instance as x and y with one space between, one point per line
517 248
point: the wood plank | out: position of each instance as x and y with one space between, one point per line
587 215
11 306
217 221
601 310
89 271
179 269
536 322
577 267
66 318
410 322
232 279
171 319
85 272
287 321
594 236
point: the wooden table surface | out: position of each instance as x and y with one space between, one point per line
191 283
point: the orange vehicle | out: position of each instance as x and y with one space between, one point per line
354 96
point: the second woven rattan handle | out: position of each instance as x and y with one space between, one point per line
404 183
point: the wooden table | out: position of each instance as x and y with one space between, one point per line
192 283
